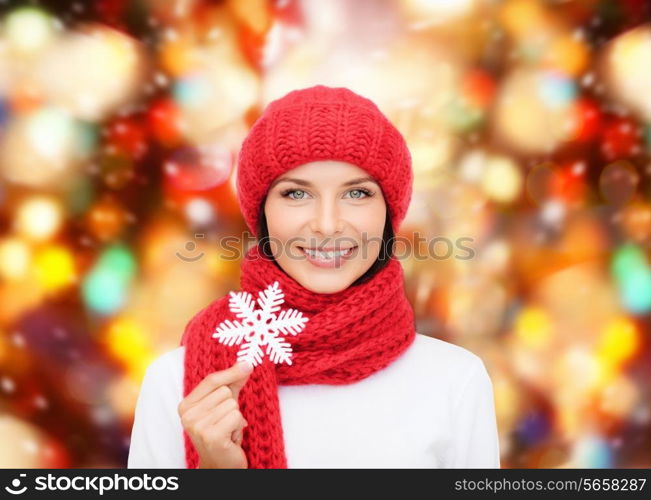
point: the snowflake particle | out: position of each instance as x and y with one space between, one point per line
260 327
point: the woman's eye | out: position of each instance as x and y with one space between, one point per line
292 191
359 193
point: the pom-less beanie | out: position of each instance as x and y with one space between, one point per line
323 123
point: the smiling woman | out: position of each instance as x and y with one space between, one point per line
326 225
324 180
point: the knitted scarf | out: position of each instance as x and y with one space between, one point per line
349 335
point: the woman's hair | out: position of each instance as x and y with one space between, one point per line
386 248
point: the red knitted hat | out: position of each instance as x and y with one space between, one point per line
323 123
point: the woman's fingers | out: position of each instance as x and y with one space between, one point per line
212 417
212 381
227 425
207 404
236 386
239 433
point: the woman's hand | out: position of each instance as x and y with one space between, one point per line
211 416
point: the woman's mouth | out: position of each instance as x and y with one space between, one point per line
330 258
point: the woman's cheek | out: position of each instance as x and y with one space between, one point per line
370 220
283 232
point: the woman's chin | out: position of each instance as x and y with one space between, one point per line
319 279
325 282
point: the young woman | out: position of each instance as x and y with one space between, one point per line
324 181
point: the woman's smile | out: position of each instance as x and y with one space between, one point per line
328 258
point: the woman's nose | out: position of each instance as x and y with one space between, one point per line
326 219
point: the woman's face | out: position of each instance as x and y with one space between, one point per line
325 205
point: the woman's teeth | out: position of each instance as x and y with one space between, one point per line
328 255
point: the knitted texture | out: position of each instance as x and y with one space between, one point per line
323 123
350 335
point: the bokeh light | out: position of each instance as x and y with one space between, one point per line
39 218
529 128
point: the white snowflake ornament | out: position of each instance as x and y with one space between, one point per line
260 327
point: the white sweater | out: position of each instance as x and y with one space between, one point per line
431 408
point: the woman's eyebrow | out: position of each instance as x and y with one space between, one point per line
290 179
308 183
359 181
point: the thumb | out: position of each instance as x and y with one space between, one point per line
237 385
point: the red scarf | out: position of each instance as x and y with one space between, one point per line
349 335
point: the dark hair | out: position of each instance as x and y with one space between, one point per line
386 249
